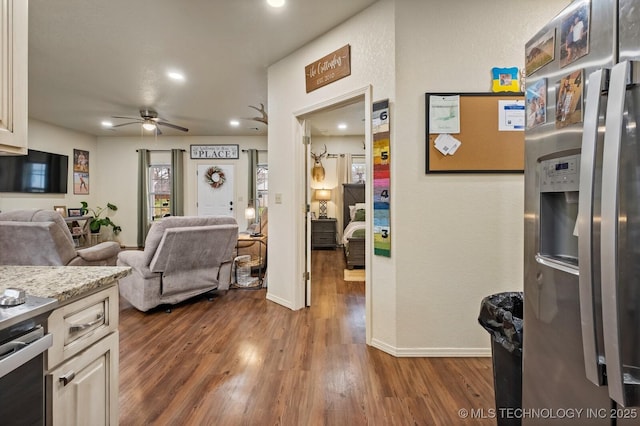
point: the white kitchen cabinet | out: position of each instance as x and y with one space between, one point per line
14 45
82 365
84 390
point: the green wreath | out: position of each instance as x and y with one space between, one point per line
214 176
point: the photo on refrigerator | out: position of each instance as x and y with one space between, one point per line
574 35
536 103
569 107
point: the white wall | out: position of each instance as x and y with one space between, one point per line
118 161
470 227
455 238
49 138
372 39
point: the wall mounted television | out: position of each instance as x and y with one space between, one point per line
37 172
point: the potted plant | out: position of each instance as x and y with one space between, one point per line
97 221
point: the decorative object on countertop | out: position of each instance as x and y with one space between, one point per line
43 238
98 221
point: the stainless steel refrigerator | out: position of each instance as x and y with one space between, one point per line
581 360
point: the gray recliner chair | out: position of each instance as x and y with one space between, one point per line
42 238
183 256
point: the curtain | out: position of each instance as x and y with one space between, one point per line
143 202
343 175
177 183
251 179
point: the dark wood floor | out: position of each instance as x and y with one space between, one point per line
242 360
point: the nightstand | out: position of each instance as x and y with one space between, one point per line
323 233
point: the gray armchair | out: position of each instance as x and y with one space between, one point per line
42 238
183 256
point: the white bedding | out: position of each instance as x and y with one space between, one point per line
350 229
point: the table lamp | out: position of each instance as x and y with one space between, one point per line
250 214
323 195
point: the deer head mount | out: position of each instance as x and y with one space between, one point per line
317 172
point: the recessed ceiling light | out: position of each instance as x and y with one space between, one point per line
234 123
342 126
107 124
276 3
174 75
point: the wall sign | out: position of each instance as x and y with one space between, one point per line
214 151
381 179
333 67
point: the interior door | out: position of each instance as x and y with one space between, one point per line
306 140
215 190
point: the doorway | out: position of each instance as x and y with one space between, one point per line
339 133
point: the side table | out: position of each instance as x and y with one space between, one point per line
246 240
324 233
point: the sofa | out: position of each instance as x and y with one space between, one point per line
183 256
42 238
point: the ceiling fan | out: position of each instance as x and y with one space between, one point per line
150 121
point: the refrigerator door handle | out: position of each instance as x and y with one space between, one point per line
593 368
609 234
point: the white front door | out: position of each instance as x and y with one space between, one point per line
215 190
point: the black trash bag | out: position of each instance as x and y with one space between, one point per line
501 315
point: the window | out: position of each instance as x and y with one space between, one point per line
159 191
358 170
262 184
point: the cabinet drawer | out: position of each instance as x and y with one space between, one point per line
80 324
324 226
324 238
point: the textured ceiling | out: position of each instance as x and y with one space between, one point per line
90 60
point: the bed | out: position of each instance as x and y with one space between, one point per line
353 237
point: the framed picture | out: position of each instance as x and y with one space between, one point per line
80 183
536 103
574 35
61 209
80 161
569 106
540 51
505 79
75 212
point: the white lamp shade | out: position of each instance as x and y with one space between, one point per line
250 213
323 194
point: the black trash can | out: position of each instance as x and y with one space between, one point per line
502 316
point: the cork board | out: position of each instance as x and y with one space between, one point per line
483 149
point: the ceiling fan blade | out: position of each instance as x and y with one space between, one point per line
128 118
125 124
158 131
173 126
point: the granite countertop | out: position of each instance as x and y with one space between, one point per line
60 282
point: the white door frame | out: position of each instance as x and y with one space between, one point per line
303 194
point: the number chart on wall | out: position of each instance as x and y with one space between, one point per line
381 179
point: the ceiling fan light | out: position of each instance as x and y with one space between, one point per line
276 3
148 126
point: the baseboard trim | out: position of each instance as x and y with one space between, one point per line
279 301
431 352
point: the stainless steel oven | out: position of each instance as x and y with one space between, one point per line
22 347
